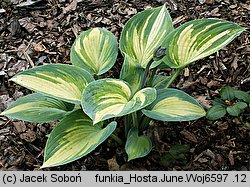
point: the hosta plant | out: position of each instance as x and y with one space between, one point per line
87 106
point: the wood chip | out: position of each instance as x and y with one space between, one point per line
5 131
27 23
202 160
113 165
71 7
2 10
28 136
203 101
202 1
233 6
28 3
188 136
223 126
186 72
234 64
209 153
231 158
213 83
20 126
210 1
215 12
179 19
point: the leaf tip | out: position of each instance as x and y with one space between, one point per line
13 79
45 165
95 121
3 113
129 159
244 29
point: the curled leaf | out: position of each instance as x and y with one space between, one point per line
197 39
107 98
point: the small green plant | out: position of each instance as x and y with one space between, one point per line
85 103
175 155
232 102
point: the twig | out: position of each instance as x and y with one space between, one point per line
27 57
28 45
74 31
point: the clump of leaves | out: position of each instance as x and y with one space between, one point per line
232 102
175 155
84 103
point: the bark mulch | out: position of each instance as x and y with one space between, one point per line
43 32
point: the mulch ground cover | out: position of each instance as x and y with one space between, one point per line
34 33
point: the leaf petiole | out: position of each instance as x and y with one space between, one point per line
117 139
174 76
135 120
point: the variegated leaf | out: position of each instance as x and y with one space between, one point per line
95 50
197 39
38 108
137 146
174 105
144 32
132 72
65 82
160 81
73 138
108 98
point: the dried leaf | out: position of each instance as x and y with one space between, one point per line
39 47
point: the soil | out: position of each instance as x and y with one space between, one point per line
43 32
